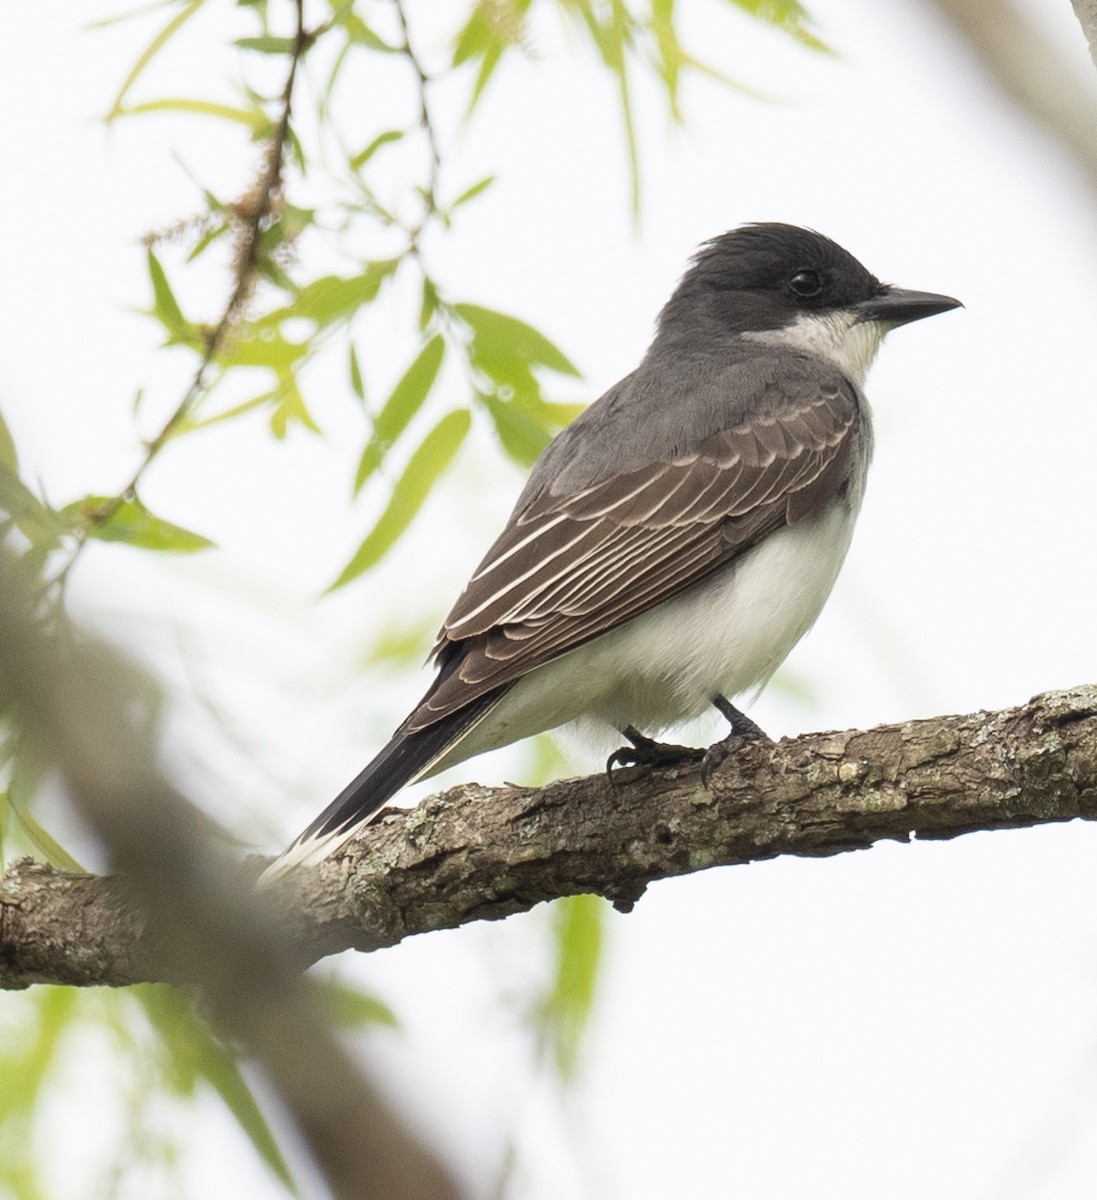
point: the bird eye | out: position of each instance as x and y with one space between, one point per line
806 283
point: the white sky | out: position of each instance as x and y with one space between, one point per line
910 1021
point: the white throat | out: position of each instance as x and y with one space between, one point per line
839 337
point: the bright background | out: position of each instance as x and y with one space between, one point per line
909 1021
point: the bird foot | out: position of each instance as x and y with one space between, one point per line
647 752
743 730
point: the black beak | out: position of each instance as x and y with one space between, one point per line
898 306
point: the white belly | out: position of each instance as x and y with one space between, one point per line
723 637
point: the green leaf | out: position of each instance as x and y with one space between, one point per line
429 305
787 15
555 415
291 407
165 308
267 44
34 519
132 523
612 29
207 239
262 348
295 220
44 842
428 462
617 61
188 424
27 1064
151 50
349 1008
472 192
323 107
400 641
522 435
8 456
491 30
490 61
295 149
357 386
254 118
25 783
475 39
359 31
382 139
497 339
579 929
401 406
196 1053
671 56
334 297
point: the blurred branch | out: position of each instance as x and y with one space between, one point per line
1032 73
1086 12
477 853
179 895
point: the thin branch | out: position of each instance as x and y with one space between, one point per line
1028 67
1086 12
426 123
477 853
254 219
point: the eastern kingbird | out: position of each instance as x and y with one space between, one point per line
678 539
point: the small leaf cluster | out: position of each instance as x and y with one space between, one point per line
165 1057
627 38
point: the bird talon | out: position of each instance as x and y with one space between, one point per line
743 730
715 755
647 752
622 757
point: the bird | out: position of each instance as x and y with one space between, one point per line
677 539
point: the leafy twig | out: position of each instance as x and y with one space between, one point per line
254 215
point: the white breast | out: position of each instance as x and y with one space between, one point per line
724 637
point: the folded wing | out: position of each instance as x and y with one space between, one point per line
573 566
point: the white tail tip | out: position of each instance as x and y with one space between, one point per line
307 852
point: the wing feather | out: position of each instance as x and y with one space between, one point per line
573 565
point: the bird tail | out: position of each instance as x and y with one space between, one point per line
407 757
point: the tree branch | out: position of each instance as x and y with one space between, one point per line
1086 12
1029 69
477 853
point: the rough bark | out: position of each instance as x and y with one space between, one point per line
477 853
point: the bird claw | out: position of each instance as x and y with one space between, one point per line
647 752
622 757
743 730
715 755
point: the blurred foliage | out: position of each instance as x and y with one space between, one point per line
281 314
565 1010
158 1049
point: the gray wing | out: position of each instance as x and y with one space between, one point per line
573 565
